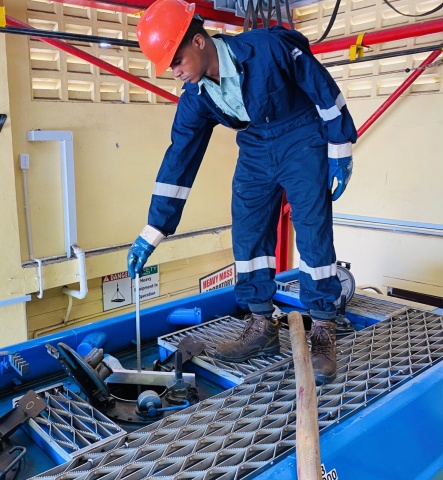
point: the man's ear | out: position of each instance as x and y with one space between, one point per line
199 41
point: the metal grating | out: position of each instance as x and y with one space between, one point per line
69 424
224 330
237 433
375 308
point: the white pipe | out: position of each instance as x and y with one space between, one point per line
39 277
80 254
28 230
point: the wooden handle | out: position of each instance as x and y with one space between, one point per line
307 444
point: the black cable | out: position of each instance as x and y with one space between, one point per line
270 11
255 15
262 14
384 55
35 32
289 15
331 22
247 15
436 9
278 13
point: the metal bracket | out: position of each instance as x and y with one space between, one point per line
29 406
357 50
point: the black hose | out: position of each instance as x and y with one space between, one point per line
35 32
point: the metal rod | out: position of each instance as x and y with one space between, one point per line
116 248
137 321
414 75
307 441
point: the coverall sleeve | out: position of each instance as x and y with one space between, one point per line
191 131
313 78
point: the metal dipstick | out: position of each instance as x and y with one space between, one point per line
137 321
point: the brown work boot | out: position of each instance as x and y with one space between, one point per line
323 351
259 339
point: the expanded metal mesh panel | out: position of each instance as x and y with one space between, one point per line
70 424
374 307
237 433
363 305
224 330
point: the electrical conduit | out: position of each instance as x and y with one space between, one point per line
28 230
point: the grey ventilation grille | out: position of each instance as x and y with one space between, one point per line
237 433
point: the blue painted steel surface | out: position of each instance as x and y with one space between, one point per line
399 437
120 332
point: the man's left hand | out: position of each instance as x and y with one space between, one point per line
341 169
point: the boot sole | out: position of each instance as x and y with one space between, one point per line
324 379
261 353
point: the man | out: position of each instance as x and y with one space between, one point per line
294 134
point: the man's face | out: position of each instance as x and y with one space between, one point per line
189 63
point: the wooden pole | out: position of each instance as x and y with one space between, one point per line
307 444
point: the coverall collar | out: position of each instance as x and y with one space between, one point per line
226 64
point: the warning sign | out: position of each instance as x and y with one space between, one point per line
117 291
219 279
149 284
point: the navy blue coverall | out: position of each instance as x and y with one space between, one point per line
298 118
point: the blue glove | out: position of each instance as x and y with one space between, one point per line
341 169
138 255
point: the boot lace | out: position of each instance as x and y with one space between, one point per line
251 329
321 341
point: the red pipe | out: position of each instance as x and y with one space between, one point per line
377 114
283 230
387 35
97 62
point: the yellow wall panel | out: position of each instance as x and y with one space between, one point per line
177 279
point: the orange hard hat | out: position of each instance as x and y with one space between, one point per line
161 29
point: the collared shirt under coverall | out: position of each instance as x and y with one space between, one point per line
298 118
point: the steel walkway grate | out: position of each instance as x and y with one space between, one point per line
69 425
237 433
224 330
375 308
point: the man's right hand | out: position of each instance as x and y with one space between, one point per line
138 255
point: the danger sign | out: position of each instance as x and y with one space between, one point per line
219 279
117 291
